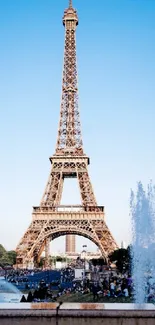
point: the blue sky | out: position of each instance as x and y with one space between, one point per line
115 52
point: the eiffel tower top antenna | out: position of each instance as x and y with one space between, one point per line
70 4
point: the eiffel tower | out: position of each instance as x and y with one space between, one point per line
51 220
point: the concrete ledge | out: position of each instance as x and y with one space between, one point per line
77 309
107 313
75 314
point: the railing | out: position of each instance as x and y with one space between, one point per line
69 208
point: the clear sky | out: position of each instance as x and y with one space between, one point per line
116 64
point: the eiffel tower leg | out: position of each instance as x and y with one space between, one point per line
53 190
87 194
47 252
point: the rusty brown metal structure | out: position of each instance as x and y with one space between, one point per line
51 220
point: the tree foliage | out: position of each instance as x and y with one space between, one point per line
12 257
2 251
122 258
98 261
7 257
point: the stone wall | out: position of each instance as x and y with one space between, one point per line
76 314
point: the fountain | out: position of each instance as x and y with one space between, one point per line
143 247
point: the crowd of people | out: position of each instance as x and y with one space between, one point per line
113 286
19 276
109 285
122 286
67 275
13 274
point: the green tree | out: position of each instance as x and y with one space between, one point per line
98 261
7 258
4 260
11 257
2 251
122 259
42 261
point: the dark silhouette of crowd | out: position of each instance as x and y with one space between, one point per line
110 285
114 286
18 275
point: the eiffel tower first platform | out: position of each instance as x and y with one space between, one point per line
50 220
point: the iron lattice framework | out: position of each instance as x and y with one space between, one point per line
50 220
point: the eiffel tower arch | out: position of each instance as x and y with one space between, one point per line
51 220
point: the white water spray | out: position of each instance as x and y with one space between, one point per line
143 230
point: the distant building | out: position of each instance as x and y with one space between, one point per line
70 244
74 256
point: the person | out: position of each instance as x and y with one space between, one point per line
112 289
30 297
118 290
126 293
95 290
129 285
